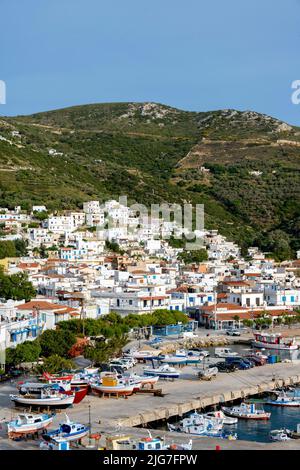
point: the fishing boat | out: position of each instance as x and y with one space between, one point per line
57 377
283 399
143 379
201 426
165 371
225 352
67 431
274 341
64 387
47 397
228 420
279 435
246 411
28 423
125 442
109 383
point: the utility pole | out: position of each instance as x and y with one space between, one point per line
215 308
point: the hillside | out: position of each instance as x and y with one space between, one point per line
244 166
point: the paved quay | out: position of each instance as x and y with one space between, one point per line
119 415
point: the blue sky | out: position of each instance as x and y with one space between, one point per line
193 54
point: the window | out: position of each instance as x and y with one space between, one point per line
209 298
257 301
130 302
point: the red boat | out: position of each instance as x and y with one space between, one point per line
80 393
57 378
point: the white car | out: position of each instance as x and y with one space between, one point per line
118 363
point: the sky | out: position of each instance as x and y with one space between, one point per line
192 54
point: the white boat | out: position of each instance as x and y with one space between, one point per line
143 379
164 371
67 431
279 435
246 411
225 352
126 442
219 414
283 399
47 398
28 423
143 354
110 383
200 425
274 341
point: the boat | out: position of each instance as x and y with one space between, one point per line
279 435
164 371
64 387
126 442
246 411
28 423
143 354
67 431
47 397
225 352
274 341
283 399
294 434
228 420
109 383
143 379
202 426
57 377
178 360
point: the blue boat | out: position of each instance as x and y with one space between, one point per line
67 431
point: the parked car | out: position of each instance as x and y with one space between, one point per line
119 363
223 367
239 362
233 333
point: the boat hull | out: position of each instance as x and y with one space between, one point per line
282 347
253 416
63 437
114 390
28 428
43 402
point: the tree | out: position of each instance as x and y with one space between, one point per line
16 286
29 351
57 342
55 363
7 249
194 256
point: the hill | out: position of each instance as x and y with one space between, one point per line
244 166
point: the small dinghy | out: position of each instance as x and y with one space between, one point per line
28 423
67 431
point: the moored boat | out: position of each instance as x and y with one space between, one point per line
283 399
246 411
219 414
274 341
225 352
